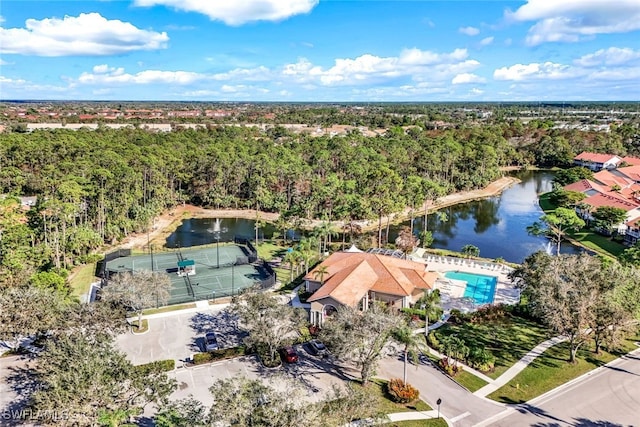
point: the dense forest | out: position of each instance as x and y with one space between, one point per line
95 187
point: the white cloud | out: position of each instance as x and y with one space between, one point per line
575 20
103 74
608 57
414 64
475 91
238 12
486 41
534 71
470 31
465 78
87 34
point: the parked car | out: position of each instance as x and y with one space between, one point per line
317 347
289 355
211 341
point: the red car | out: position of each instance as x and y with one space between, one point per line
289 355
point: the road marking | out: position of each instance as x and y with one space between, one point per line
459 417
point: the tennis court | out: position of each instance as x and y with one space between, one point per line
218 272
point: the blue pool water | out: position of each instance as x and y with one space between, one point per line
479 287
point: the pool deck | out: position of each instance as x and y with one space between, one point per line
452 290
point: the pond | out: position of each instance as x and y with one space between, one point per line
497 225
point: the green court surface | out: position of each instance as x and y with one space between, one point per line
215 273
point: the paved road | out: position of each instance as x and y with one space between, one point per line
460 407
607 397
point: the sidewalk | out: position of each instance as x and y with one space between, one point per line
402 416
518 366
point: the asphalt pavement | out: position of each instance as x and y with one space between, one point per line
606 397
458 406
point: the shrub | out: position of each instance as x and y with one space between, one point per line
481 359
157 366
449 368
432 341
226 353
410 312
489 313
401 392
457 317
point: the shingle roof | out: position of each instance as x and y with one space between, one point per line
351 275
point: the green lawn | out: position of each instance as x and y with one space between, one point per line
585 237
508 340
169 308
551 369
434 422
269 250
469 381
387 406
81 279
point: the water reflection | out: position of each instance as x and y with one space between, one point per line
498 225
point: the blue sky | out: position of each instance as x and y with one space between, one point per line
310 50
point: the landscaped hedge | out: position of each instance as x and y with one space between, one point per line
212 356
157 366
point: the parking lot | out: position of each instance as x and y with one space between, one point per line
179 335
315 375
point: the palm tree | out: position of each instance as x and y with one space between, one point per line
471 251
412 344
320 272
291 258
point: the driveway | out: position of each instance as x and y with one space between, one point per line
178 336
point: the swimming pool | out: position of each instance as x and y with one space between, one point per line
479 287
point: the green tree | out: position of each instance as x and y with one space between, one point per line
569 176
85 379
575 296
139 290
607 217
243 402
362 338
470 251
412 343
28 311
320 272
270 324
556 224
